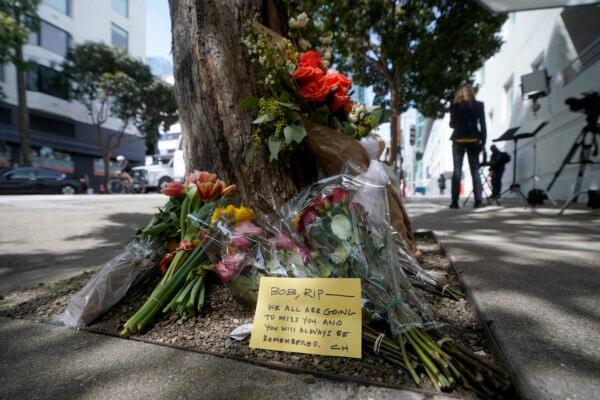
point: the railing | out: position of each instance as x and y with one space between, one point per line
587 57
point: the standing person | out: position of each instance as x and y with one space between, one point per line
467 118
498 161
442 184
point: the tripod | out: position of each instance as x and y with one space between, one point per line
484 182
514 186
587 145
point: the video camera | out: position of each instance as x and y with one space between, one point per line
589 103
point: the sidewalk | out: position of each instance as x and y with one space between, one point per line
535 278
41 361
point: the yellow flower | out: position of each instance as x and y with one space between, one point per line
243 214
232 213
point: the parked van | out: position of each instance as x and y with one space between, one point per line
179 161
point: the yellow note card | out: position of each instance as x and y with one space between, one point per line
309 315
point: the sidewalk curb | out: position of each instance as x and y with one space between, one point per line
520 386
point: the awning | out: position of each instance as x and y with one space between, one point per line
505 6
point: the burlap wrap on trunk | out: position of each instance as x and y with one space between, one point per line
333 149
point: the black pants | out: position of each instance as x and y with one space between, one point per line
496 181
458 153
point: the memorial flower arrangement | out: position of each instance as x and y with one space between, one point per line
182 287
339 228
301 85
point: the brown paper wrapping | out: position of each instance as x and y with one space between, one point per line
333 149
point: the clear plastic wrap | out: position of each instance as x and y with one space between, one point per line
337 227
110 284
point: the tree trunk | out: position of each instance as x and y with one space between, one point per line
106 159
213 73
23 118
394 128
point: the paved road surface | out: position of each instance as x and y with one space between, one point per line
46 238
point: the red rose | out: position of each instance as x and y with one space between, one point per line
310 59
307 218
304 75
341 99
316 90
338 195
334 79
173 189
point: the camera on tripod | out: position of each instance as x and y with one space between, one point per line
588 104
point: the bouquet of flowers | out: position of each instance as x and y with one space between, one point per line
182 286
302 87
107 286
339 227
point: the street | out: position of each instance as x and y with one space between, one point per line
47 238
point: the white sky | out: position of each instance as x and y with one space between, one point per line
158 29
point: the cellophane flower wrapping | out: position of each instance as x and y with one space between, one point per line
110 284
337 227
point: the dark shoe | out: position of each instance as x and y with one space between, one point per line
478 204
453 205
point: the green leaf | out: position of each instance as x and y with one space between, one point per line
262 119
289 105
294 133
274 147
348 128
320 115
285 96
249 103
341 227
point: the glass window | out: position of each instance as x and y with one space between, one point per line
22 173
48 174
54 39
121 6
54 126
51 38
47 80
118 37
60 5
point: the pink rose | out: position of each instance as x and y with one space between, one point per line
247 229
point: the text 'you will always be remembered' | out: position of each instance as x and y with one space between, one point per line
309 315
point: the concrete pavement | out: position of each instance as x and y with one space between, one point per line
535 277
41 361
46 238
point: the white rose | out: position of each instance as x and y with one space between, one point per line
302 20
304 44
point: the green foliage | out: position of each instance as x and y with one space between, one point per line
18 18
109 82
157 109
413 53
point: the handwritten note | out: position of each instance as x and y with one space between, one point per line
309 315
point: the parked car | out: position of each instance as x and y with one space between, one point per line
27 180
156 175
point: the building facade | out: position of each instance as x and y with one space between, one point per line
564 42
61 134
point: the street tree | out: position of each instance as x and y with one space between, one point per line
109 83
412 53
157 110
18 18
213 73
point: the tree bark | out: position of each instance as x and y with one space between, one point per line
23 118
213 73
394 127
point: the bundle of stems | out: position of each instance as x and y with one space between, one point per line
445 363
194 216
189 301
165 291
431 284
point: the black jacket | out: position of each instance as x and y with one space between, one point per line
468 121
